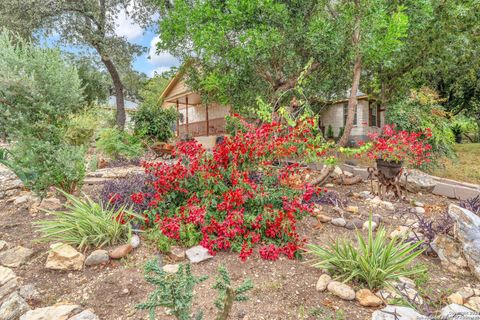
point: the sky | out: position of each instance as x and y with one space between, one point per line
150 62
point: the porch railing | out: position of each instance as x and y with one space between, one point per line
196 129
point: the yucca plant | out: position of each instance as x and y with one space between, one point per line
375 262
86 223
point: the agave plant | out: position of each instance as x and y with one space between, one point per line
375 262
87 223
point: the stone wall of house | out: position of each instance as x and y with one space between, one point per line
334 116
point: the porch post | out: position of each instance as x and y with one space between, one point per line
178 121
186 112
207 119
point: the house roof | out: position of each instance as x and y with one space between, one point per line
129 105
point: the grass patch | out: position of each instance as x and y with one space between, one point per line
465 167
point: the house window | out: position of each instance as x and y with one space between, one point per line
345 113
373 118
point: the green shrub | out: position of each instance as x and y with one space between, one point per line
80 127
42 164
340 132
374 263
330 134
153 122
119 144
172 291
161 241
422 111
86 223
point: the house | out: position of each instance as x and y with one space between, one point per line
201 121
205 122
369 117
130 107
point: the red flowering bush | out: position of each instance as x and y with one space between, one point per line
232 198
393 145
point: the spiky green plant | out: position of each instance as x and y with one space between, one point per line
227 294
375 262
173 291
86 223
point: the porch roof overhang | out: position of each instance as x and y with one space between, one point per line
194 99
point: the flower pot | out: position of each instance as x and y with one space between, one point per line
389 169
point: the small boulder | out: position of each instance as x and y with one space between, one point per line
417 181
339 222
50 204
29 292
57 312
97 257
366 298
457 312
177 254
352 209
419 210
366 225
323 282
15 257
473 303
455 298
171 268
396 313
450 254
64 257
121 251
341 290
13 307
21 200
135 241
323 218
388 206
198 254
354 224
85 315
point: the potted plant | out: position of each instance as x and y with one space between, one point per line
393 149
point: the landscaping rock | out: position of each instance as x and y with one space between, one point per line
85 315
352 209
450 253
8 287
417 181
21 200
29 292
177 254
400 232
135 241
456 312
171 268
97 257
455 298
388 206
64 257
13 307
323 282
50 204
15 257
396 313
366 298
198 254
466 292
473 303
341 290
6 274
366 225
56 312
9 183
418 204
121 251
339 222
419 210
467 230
323 218
407 282
3 245
354 224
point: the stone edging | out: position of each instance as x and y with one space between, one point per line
444 187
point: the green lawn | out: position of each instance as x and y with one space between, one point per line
466 167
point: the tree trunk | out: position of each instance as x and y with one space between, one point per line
117 83
357 70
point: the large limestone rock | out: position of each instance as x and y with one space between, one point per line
450 253
56 312
467 231
198 254
15 257
64 257
418 181
396 313
8 282
10 185
13 307
457 312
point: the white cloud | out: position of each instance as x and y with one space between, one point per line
125 26
162 61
